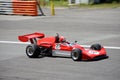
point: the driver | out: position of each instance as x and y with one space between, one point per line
62 39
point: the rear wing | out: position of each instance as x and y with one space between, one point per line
31 37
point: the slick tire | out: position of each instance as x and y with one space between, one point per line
32 51
96 47
76 55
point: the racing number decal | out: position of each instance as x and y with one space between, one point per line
57 46
93 52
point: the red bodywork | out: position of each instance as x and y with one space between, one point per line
41 40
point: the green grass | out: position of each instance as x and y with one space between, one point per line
104 5
65 4
59 3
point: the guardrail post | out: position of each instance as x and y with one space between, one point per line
52 8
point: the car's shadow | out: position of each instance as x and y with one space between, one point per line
96 59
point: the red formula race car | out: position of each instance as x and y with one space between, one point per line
57 46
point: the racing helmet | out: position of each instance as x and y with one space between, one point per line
62 39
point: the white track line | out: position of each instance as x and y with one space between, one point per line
14 42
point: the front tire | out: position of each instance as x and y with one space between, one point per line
76 55
32 51
96 47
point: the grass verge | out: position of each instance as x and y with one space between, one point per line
103 5
65 4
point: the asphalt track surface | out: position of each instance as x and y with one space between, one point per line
86 26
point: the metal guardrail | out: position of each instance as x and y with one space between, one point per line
6 7
20 7
28 7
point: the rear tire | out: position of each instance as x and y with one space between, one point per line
32 51
76 55
96 47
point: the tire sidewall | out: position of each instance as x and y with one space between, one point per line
76 55
35 51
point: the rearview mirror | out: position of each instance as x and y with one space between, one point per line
75 41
